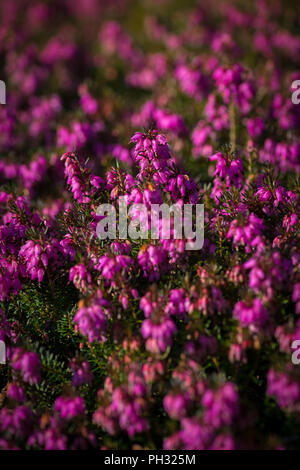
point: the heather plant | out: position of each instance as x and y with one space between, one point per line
140 342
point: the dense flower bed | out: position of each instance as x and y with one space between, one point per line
132 344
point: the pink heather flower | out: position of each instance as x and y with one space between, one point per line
220 406
107 419
79 136
92 320
110 266
150 148
201 138
80 276
176 405
16 392
161 118
51 438
211 301
248 234
285 391
153 260
37 256
179 303
122 154
296 297
130 411
69 408
147 77
181 187
75 180
235 87
136 384
6 330
290 222
255 127
152 371
96 181
193 82
223 442
34 173
81 373
251 314
194 434
267 273
216 114
161 332
68 246
28 364
229 170
87 102
10 273
285 337
18 422
149 304
237 353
